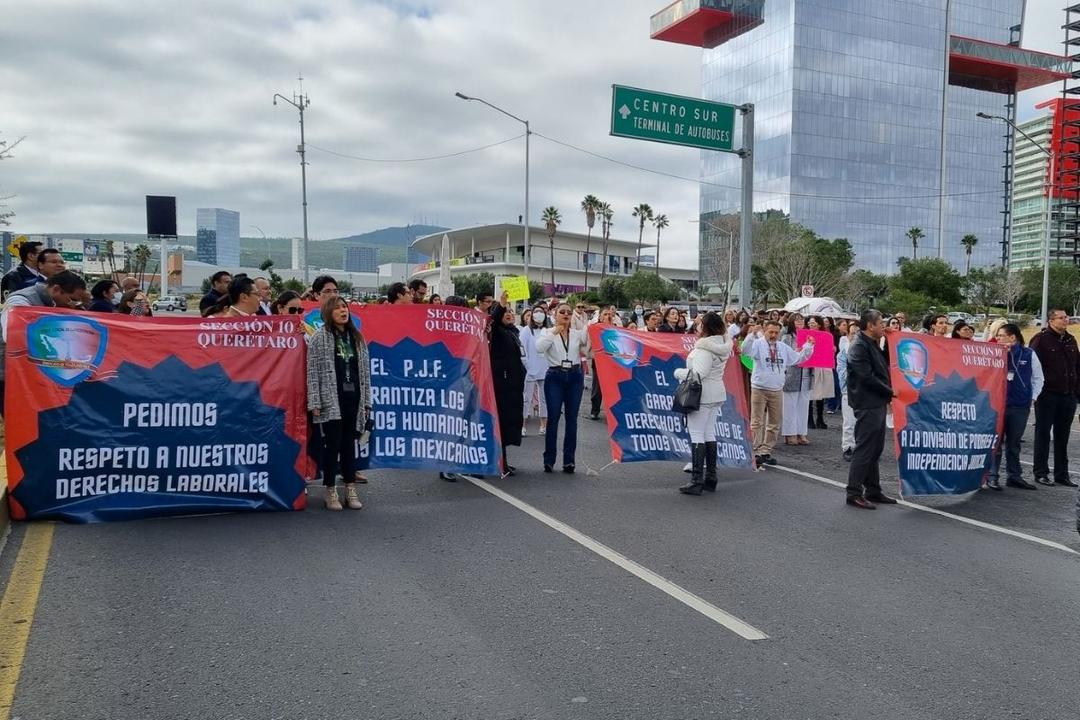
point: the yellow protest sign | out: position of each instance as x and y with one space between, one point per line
13 248
516 287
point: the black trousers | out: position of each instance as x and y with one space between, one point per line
863 475
596 398
339 443
1053 414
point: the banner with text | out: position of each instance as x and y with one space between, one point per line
636 370
432 392
949 413
112 417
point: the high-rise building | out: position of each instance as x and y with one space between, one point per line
865 116
217 237
356 258
298 253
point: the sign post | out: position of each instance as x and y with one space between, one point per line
693 122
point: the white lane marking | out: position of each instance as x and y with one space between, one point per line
1031 464
732 623
942 513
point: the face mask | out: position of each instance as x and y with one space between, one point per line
637 310
539 317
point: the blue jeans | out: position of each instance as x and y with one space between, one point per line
562 391
1016 418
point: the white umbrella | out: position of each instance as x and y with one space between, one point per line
446 283
824 306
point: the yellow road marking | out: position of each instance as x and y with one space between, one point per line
17 608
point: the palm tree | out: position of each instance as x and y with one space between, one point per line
969 242
659 222
589 206
915 234
551 218
606 213
643 213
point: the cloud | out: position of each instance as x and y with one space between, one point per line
121 100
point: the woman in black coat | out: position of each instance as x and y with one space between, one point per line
508 372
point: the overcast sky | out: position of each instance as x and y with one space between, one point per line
118 100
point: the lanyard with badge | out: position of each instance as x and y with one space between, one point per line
346 352
566 363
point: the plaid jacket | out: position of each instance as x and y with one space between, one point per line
322 378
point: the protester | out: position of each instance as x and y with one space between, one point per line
57 291
562 347
1025 382
683 326
418 290
262 287
652 321
847 435
991 330
607 316
902 317
729 322
669 321
399 294
219 285
796 389
822 384
25 274
240 299
102 296
456 301
839 330
436 299
323 287
936 325
1055 407
638 317
50 262
707 361
508 373
894 324
961 330
288 303
339 396
484 301
134 302
772 359
870 392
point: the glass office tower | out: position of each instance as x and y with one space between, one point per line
217 236
865 115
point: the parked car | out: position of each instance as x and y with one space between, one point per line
956 316
170 303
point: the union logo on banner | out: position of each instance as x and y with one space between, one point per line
913 360
66 349
622 348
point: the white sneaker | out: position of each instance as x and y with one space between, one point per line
542 431
524 431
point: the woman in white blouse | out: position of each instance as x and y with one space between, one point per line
562 348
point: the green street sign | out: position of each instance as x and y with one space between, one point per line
674 119
72 256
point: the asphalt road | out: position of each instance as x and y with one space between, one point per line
442 600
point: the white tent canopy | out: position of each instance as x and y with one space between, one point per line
824 306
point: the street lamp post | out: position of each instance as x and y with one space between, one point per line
527 134
1049 209
264 239
300 102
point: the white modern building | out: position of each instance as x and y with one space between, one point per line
500 250
217 236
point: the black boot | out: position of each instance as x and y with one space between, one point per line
710 466
810 423
694 487
821 415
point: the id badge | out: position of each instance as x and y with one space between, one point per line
348 387
566 364
1011 375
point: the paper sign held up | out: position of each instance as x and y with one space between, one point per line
824 355
516 287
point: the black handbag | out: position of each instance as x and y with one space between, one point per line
688 394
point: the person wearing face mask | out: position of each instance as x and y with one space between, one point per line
102 296
638 317
535 368
134 303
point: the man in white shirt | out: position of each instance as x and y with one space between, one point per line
262 287
771 359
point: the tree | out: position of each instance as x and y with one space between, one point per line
536 290
590 205
612 292
915 234
862 289
297 286
1064 288
1012 289
140 257
276 284
969 242
983 287
5 154
659 222
551 219
810 260
469 286
932 277
606 213
643 213
344 287
649 287
914 304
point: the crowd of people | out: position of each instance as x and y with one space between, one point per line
541 355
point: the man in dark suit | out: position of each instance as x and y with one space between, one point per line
219 285
262 286
869 394
25 273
